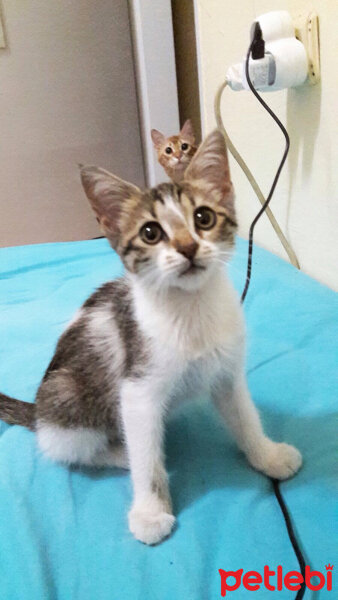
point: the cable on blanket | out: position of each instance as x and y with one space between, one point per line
291 534
257 34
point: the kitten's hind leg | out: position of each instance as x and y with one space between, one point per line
62 427
72 446
113 456
80 446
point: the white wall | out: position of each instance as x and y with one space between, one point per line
306 199
67 95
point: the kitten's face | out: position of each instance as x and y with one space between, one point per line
175 153
174 235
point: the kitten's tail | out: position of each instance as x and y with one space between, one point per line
17 412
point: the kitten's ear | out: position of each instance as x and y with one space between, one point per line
108 196
187 132
209 170
158 138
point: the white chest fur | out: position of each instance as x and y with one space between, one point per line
192 331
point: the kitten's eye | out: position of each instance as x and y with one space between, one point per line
168 150
184 146
205 217
151 233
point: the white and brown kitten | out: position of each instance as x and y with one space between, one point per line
175 152
173 325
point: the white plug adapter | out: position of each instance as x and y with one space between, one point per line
285 63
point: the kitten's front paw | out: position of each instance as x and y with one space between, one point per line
279 461
150 527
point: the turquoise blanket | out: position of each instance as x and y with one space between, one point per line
64 534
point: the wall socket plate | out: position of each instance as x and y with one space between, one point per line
307 32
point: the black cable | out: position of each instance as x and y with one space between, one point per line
258 42
287 146
292 535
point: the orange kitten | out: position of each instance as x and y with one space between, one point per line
175 153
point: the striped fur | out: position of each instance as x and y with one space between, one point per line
16 412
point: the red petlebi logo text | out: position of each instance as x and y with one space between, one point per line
275 580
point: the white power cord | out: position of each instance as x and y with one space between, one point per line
217 107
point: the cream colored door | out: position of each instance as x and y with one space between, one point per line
67 96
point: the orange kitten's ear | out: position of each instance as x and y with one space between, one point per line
209 169
158 138
187 132
108 196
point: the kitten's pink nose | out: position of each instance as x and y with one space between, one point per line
178 155
188 249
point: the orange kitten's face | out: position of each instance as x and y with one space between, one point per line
175 153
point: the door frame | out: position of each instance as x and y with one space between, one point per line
155 72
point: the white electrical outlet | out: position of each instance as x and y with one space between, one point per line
291 54
307 32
